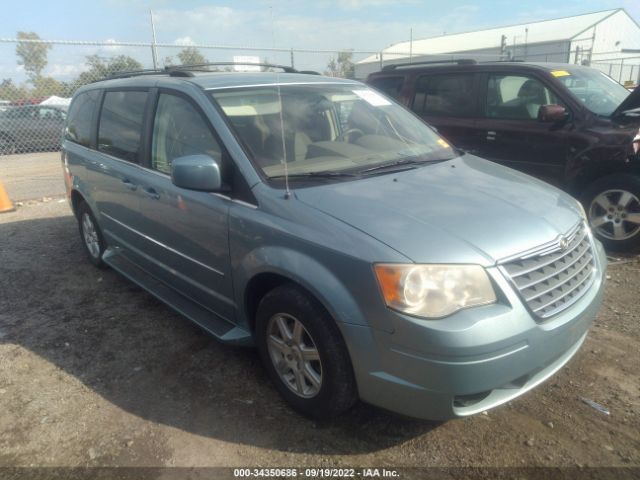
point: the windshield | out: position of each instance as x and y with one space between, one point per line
329 128
598 92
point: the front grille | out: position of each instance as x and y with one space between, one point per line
551 278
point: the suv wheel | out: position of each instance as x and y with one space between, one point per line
304 353
91 236
613 209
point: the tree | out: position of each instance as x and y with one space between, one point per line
99 67
342 66
11 92
33 56
47 86
191 56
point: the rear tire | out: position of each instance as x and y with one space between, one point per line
612 204
304 353
91 235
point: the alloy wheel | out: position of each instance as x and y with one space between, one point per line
294 355
90 235
615 214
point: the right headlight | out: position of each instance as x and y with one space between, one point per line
433 291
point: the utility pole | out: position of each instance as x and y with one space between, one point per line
154 53
410 44
503 47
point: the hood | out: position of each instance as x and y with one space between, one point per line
466 210
632 102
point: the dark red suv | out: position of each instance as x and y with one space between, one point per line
570 125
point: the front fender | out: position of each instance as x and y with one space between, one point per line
303 270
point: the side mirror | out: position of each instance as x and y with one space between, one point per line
551 113
196 172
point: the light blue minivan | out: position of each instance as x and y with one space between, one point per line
316 219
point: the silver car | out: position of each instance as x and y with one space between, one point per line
316 219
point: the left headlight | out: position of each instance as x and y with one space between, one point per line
433 291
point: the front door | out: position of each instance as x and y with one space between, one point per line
186 231
511 132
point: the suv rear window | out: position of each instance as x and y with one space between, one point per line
121 124
449 95
390 86
80 118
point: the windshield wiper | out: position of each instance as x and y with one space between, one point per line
321 174
403 162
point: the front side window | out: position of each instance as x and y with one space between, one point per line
448 95
79 120
306 127
120 127
179 130
516 97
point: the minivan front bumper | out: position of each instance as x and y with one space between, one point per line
473 361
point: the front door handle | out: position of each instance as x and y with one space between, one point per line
129 184
151 192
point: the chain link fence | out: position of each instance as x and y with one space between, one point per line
38 77
625 70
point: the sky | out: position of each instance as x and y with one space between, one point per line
367 25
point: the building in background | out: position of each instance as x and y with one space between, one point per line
608 40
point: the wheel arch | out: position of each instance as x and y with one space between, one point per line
268 267
76 199
593 165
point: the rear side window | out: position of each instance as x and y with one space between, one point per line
449 95
390 86
120 127
80 117
179 130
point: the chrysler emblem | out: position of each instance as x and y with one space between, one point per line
563 243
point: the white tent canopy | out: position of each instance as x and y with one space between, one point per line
56 101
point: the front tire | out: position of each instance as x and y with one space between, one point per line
612 204
304 353
91 236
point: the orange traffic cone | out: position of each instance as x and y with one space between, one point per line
5 202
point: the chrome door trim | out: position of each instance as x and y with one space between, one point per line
160 244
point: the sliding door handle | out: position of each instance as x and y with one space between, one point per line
152 193
129 184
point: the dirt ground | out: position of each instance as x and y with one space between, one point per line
96 372
32 175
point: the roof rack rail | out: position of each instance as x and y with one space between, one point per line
186 70
460 61
197 66
144 72
505 60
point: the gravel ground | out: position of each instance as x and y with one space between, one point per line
96 372
32 175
